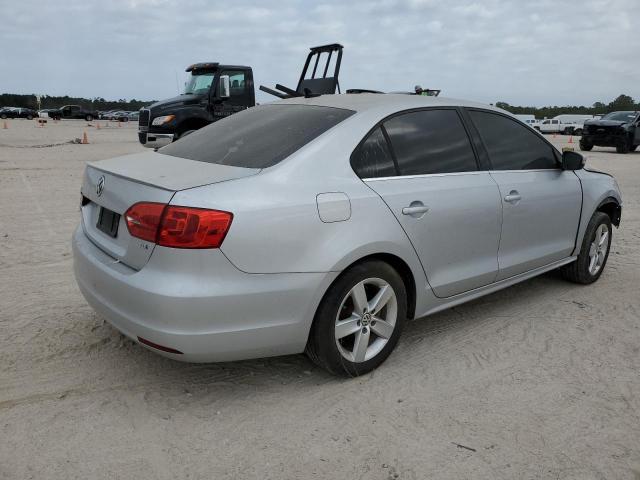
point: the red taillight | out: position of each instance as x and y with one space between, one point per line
186 227
178 227
143 220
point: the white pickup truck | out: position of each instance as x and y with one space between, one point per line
558 126
565 124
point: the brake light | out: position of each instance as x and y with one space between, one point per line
178 227
185 227
143 220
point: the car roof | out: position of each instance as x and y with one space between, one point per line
361 102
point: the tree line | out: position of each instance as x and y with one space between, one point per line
622 102
49 101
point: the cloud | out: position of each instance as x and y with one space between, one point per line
543 52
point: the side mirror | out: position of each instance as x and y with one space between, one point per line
224 87
572 160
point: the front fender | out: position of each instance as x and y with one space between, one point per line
598 189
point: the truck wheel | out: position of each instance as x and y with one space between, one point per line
567 131
585 146
88 118
3 116
623 147
578 132
359 320
593 253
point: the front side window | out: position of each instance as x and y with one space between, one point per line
258 137
372 158
236 82
511 146
430 141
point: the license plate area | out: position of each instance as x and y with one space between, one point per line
108 222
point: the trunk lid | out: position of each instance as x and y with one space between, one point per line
116 184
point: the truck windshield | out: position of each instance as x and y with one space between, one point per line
620 116
258 137
199 83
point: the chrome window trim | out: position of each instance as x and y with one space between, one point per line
473 172
425 175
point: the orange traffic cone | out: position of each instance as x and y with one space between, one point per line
571 139
85 139
5 125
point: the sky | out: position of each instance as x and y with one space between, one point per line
538 52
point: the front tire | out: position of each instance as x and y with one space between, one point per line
359 320
586 146
594 251
88 118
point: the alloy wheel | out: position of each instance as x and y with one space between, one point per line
366 320
598 249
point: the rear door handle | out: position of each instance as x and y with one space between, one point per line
513 197
415 209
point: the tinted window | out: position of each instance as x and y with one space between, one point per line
430 141
510 145
258 137
372 158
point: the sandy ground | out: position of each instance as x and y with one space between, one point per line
541 380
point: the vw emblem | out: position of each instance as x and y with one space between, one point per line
100 186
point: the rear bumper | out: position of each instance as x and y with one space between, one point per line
155 140
198 303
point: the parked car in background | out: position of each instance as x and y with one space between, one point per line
73 112
121 116
8 112
565 127
323 224
529 120
27 113
133 116
44 113
616 129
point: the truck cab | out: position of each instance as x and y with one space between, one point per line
212 92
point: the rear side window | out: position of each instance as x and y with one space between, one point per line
430 141
510 145
258 137
373 158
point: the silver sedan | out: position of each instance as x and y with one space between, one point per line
323 224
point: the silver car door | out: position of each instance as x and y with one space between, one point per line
540 202
449 210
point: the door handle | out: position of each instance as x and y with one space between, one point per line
513 197
415 209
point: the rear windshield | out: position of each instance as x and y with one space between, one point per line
259 137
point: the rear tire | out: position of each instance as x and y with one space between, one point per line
88 118
578 132
4 116
585 269
586 146
348 316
